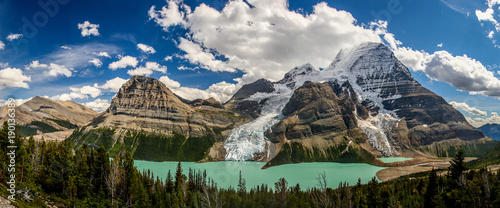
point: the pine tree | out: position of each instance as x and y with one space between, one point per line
131 179
179 177
169 183
458 166
102 170
432 190
241 184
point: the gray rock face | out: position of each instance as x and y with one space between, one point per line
387 85
261 85
207 102
324 110
249 108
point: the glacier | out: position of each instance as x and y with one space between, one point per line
248 139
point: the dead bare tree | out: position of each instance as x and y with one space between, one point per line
114 177
281 186
205 199
320 196
35 158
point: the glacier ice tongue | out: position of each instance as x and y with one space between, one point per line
248 139
377 129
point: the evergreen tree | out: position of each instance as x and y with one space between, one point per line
241 184
432 190
179 177
131 180
458 166
169 183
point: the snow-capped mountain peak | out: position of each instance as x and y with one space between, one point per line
383 86
368 60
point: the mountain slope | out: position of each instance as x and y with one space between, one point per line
385 81
42 115
146 118
366 95
491 130
364 105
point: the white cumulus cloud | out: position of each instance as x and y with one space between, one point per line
96 62
13 77
489 16
124 62
486 15
89 29
114 84
171 84
462 72
148 69
102 54
2 45
170 15
12 37
93 91
79 93
98 105
468 109
52 69
491 34
221 91
145 48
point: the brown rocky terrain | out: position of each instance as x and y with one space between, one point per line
40 115
146 104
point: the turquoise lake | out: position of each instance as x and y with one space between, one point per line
394 159
226 173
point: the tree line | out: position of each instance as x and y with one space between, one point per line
50 173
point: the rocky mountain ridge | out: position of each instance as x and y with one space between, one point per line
364 105
491 130
391 111
40 116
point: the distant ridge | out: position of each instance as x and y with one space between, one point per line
42 115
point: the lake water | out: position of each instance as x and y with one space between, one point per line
394 159
226 173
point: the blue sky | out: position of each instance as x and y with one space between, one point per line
84 50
